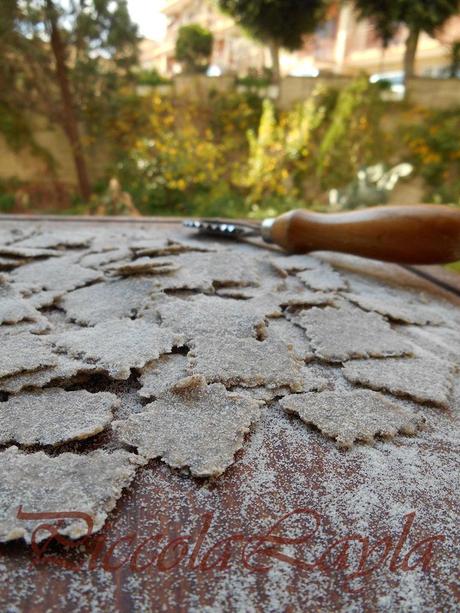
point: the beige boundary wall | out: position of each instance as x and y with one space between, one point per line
29 167
296 89
290 91
197 86
434 93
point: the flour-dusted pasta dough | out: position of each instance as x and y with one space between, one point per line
119 345
123 336
339 334
62 274
323 278
143 266
246 362
206 271
13 308
115 299
54 416
212 316
37 483
52 240
286 331
422 379
193 425
160 375
294 263
64 370
28 252
23 352
348 417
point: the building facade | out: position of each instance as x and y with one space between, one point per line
342 45
233 51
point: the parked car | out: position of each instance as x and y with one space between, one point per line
394 82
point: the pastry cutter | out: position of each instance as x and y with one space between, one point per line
404 234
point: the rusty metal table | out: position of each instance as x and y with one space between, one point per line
174 543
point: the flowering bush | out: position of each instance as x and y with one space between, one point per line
434 148
189 155
322 143
230 154
280 152
233 155
354 137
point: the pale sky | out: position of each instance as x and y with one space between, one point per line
147 14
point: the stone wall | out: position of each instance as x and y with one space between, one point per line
290 90
296 89
25 166
434 93
197 86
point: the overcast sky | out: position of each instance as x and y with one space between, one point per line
147 15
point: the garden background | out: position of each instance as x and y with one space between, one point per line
84 130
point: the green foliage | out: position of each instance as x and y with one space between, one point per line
18 133
280 152
454 67
455 267
421 15
151 77
14 127
255 79
8 195
233 155
418 16
434 149
220 201
194 48
66 61
229 155
298 155
189 154
7 202
284 22
353 137
97 34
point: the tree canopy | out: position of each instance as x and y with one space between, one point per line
65 60
284 21
419 16
278 23
194 48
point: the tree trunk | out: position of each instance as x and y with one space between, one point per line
70 123
382 59
275 55
410 52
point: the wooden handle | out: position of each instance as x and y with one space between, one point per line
418 234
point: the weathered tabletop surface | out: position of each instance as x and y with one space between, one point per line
370 528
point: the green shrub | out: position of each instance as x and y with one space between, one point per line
354 137
232 154
7 202
151 77
189 156
434 148
254 81
280 151
194 48
8 190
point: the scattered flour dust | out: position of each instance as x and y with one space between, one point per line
120 347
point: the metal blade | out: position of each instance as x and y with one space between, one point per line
224 229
